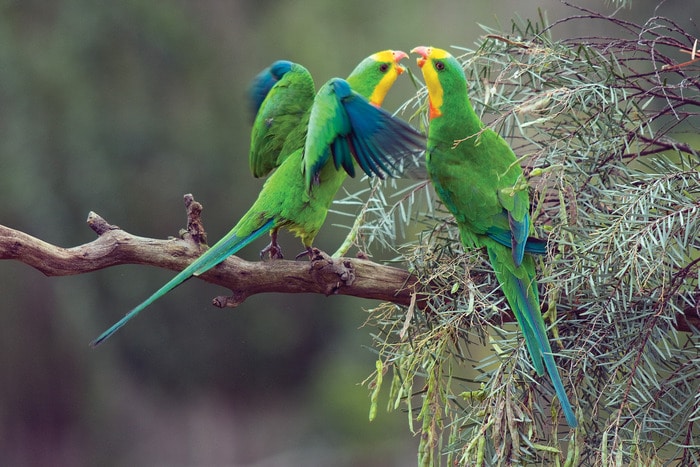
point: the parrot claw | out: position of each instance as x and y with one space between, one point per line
308 252
273 249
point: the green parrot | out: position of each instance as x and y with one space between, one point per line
281 97
477 176
346 118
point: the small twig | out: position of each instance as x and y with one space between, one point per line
693 58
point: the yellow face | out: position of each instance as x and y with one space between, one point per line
391 59
428 60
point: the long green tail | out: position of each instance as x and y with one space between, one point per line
227 246
523 299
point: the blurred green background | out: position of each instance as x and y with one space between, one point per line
121 108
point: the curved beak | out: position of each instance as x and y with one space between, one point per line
398 56
424 53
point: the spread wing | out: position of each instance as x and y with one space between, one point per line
344 126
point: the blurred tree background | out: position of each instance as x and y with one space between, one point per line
121 108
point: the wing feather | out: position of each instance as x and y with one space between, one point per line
343 123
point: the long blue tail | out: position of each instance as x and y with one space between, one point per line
221 250
522 296
534 319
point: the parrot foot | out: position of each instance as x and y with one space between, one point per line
323 267
308 252
273 249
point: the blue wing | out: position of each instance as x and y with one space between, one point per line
515 219
344 126
533 245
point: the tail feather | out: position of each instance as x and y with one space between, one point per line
533 320
227 246
520 289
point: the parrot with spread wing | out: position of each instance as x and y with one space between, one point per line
346 126
479 179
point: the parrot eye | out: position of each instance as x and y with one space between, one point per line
439 66
384 67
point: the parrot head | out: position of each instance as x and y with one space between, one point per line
279 68
264 81
440 70
375 75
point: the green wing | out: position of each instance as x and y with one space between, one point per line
283 94
345 126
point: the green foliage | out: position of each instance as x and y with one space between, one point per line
599 124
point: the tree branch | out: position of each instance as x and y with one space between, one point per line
114 246
323 275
